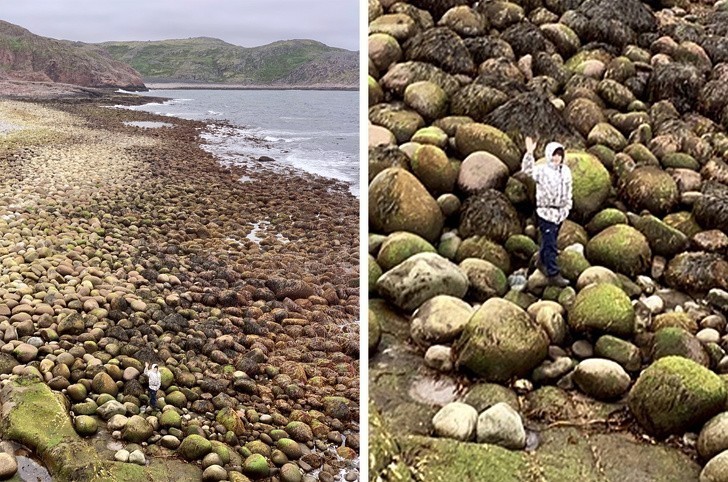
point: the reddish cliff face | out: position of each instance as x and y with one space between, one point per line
26 56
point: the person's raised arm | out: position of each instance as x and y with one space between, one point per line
528 162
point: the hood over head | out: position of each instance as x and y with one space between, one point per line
551 148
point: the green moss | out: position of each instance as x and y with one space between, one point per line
375 271
483 248
572 264
605 218
620 248
521 246
447 460
676 394
399 246
591 183
603 307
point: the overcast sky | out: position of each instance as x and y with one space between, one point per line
249 23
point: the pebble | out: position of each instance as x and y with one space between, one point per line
708 335
582 349
439 357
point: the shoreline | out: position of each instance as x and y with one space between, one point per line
192 86
157 222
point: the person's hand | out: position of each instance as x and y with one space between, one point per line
146 364
530 145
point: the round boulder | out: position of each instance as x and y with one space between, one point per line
501 341
601 379
399 202
440 320
621 248
674 395
602 307
421 277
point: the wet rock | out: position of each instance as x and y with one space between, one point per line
474 137
85 425
490 214
621 248
678 342
621 351
137 430
697 272
256 466
439 357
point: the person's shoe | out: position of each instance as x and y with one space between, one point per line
558 280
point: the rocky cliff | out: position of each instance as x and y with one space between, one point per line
206 60
26 56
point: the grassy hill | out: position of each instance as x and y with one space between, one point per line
203 59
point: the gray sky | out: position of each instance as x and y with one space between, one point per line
249 23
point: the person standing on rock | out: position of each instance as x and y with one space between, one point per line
553 202
155 381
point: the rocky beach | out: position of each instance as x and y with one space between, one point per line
481 370
124 245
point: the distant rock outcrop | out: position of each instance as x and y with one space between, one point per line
29 57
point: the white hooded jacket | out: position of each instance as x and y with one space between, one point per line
553 185
155 378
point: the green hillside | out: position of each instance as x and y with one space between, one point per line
297 62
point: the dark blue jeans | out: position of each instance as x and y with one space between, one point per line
152 398
548 252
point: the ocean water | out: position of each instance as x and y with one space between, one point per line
310 130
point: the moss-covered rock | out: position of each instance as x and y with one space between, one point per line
607 135
399 246
483 248
433 168
572 263
474 137
137 430
485 279
256 466
675 319
500 341
664 239
170 418
684 222
399 202
229 418
520 246
620 248
678 342
194 447
398 118
605 218
591 183
176 399
484 395
650 188
375 332
103 383
375 271
427 98
602 307
674 395
299 431
382 446
85 425
290 448
621 351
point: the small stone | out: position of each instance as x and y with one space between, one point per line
8 465
122 455
455 420
214 473
708 335
501 425
582 349
601 378
439 357
137 457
